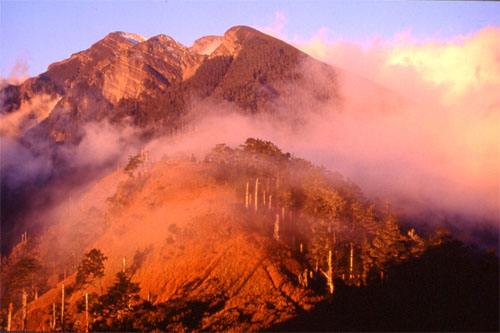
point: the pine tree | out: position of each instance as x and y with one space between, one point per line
114 310
387 245
91 269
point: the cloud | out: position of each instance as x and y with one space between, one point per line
30 113
454 69
438 146
445 146
18 73
276 27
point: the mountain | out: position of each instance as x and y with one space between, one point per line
154 80
233 238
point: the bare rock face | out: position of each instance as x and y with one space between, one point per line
206 45
233 40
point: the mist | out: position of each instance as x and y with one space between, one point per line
405 126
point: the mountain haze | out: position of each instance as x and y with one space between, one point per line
138 172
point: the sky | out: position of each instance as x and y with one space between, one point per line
34 34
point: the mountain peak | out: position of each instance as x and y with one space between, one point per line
134 38
234 38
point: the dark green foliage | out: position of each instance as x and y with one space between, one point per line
91 269
114 310
125 193
24 273
132 165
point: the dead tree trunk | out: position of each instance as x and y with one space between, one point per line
53 322
62 307
351 262
246 197
86 312
329 273
256 196
276 234
25 311
9 318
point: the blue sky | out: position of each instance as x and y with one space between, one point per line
41 32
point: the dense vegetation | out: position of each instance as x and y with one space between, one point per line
383 279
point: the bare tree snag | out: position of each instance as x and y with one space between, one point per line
270 200
256 194
351 262
25 311
246 197
9 318
276 234
124 262
264 199
53 322
86 312
62 307
329 273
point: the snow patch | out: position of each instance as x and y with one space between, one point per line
134 38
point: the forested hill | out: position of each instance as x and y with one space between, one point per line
249 238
